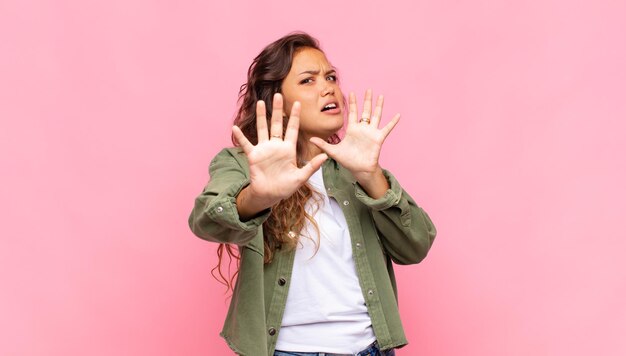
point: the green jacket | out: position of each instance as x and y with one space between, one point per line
392 228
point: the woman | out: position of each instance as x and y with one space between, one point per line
316 220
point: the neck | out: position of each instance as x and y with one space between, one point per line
309 150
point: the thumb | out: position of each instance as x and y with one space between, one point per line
324 146
308 169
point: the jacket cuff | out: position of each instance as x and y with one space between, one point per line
391 198
223 209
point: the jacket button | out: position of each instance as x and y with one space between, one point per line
219 209
271 331
345 202
370 292
281 281
358 244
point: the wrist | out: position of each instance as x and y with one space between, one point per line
364 177
375 184
250 203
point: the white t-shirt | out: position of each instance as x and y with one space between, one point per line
325 309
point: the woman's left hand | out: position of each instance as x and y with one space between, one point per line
360 149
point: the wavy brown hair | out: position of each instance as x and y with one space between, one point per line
265 78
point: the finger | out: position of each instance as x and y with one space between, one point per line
314 164
242 140
378 111
291 133
276 128
324 146
352 109
367 105
261 121
390 125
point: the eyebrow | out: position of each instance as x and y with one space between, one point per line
315 72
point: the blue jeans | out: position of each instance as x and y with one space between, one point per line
371 350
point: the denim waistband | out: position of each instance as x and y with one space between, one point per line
370 350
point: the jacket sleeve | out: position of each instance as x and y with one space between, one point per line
214 216
406 231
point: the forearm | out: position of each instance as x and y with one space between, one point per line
407 239
215 216
215 219
406 230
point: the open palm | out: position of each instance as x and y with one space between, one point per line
360 149
274 173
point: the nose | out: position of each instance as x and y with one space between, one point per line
328 90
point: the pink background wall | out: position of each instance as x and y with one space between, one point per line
513 123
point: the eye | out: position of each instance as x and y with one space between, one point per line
332 77
306 81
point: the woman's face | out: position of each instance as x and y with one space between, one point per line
313 82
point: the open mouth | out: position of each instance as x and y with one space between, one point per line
330 106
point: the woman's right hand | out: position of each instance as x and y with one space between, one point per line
274 173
